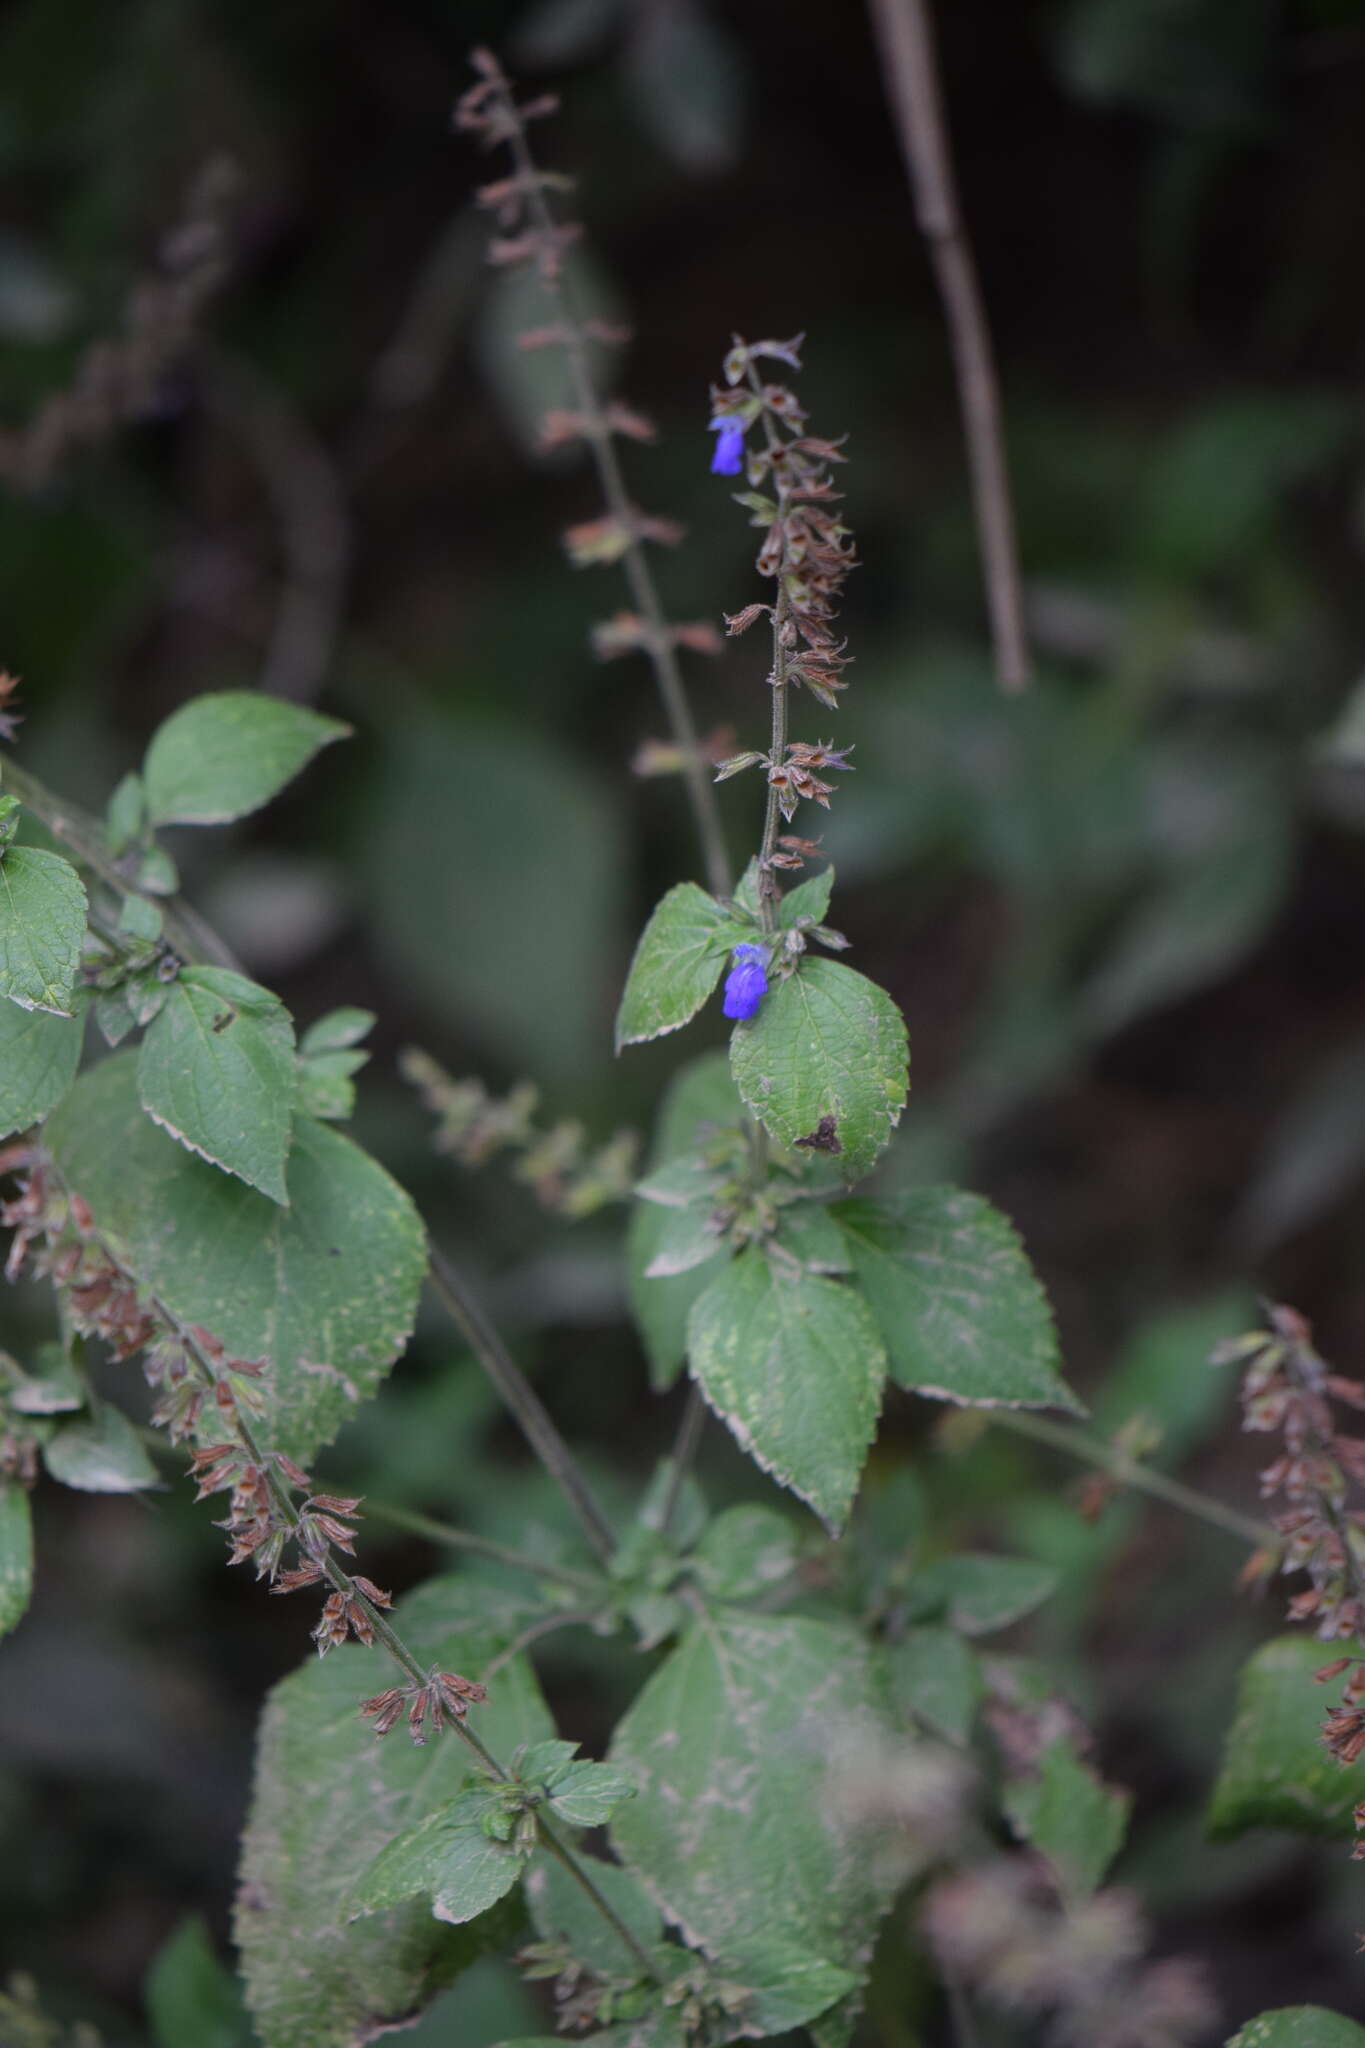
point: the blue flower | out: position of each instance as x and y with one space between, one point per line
746 984
728 459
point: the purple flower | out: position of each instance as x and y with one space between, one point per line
728 459
746 984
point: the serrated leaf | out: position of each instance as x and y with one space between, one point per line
738 1833
701 1099
981 1594
42 926
191 1996
217 1071
788 1987
794 1367
809 1232
586 1794
39 1055
561 1912
743 1552
16 1555
223 755
1070 1816
808 899
1299 2026
936 1680
103 1454
685 1238
447 1858
325 1290
677 964
1276 1772
328 1797
962 1313
827 1042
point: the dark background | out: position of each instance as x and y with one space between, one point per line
1122 915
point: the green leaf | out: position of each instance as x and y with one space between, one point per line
223 755
739 1833
1299 2026
677 964
701 1099
141 919
794 1367
788 1987
810 1234
191 1996
125 815
936 1680
827 1042
685 1238
325 1290
586 1794
42 926
447 1857
808 899
103 1454
338 1031
981 1594
39 1055
1276 1772
562 1912
963 1315
55 1388
743 1552
216 1070
16 1555
328 1797
1069 1814
326 1089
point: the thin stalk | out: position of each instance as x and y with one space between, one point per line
1078 1443
479 1546
777 753
684 1450
525 1404
535 1632
639 577
565 1856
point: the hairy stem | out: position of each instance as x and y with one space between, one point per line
521 1397
1092 1450
662 652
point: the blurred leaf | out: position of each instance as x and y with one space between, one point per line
1299 2026
465 904
1314 1155
216 1070
676 965
562 1912
1161 1375
794 1368
1204 65
1276 1772
981 1594
54 1388
745 1708
826 1043
224 755
338 1031
190 1996
103 1454
743 1552
325 1290
39 1055
328 1797
42 927
1070 1816
16 1555
701 1095
958 1303
685 84
936 1680
530 382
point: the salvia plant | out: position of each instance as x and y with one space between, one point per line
826 1764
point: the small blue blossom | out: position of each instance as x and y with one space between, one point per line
728 459
746 984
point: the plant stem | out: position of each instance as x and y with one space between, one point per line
1092 1450
777 752
684 1450
185 930
660 646
585 1884
525 1404
478 1546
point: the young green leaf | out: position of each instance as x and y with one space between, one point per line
810 1234
1276 1772
825 1058
39 1055
325 1290
326 1089
191 1996
16 1555
328 1797
963 1315
744 1551
936 1680
217 1071
449 1858
677 964
338 1031
981 1594
223 755
126 814
808 899
738 1832
1070 1815
684 1238
794 1367
42 926
585 1794
1299 2026
101 1455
